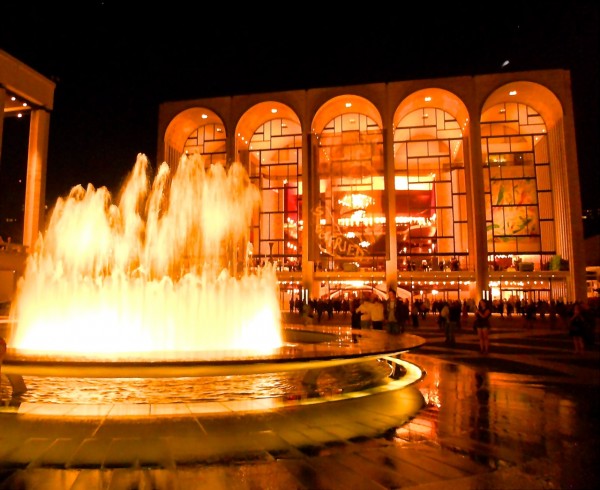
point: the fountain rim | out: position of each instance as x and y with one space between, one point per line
198 367
166 369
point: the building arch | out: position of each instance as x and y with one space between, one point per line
344 104
433 97
524 167
348 204
432 215
269 139
183 126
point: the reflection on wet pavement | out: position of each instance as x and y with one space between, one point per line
504 420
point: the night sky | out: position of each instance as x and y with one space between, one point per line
114 64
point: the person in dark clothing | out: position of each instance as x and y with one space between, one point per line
355 315
392 312
403 314
482 324
577 328
414 313
455 314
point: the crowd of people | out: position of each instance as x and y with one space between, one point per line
393 314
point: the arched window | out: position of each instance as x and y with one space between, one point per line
517 186
431 206
209 141
349 218
275 167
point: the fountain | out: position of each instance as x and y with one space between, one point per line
161 274
160 285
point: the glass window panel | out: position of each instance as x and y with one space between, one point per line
401 134
532 128
528 244
495 171
423 133
516 220
438 147
506 128
541 149
512 171
548 236
502 192
417 149
461 235
445 245
459 205
498 222
524 191
282 142
520 144
458 181
534 119
412 119
510 111
499 144
259 145
289 155
543 177
443 194
214 147
486 179
504 245
449 133
445 223
274 128
529 171
546 208
523 112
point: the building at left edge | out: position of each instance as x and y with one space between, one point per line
25 93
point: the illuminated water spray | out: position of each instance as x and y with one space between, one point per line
161 274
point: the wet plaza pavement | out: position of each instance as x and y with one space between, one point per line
524 416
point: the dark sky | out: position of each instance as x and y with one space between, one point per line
114 63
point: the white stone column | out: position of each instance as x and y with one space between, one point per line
35 190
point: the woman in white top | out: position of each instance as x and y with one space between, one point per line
377 313
364 310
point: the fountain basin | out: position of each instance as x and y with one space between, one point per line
325 347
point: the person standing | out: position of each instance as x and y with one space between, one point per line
446 325
377 313
577 328
414 313
365 313
403 314
355 314
482 324
392 312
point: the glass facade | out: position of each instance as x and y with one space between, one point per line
431 200
275 167
518 191
349 216
361 189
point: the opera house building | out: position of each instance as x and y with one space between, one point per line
461 187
